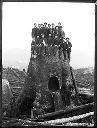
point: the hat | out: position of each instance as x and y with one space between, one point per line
52 23
59 23
49 24
45 23
60 26
67 38
39 24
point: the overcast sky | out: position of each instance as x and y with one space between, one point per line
78 21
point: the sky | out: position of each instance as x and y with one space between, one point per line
77 19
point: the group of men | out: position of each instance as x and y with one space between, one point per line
50 35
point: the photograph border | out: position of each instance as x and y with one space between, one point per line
95 70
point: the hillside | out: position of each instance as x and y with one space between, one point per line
84 75
85 80
16 79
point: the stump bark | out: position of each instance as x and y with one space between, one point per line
41 69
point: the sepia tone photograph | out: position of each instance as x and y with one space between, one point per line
48 64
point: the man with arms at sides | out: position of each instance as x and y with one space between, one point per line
43 43
69 45
39 31
61 36
34 31
45 29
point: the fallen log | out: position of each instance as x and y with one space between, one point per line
79 124
58 122
86 98
70 119
77 110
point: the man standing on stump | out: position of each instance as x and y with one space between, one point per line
34 31
69 45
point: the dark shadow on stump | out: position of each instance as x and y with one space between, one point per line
53 84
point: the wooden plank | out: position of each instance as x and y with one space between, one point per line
77 98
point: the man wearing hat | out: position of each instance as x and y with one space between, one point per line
49 40
48 30
64 47
45 24
50 35
45 30
56 39
69 45
41 29
68 92
61 33
59 36
59 30
59 24
34 31
43 44
37 44
39 32
53 30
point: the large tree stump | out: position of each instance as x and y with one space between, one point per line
42 70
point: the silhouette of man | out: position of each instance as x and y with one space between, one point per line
39 32
45 29
69 45
34 31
